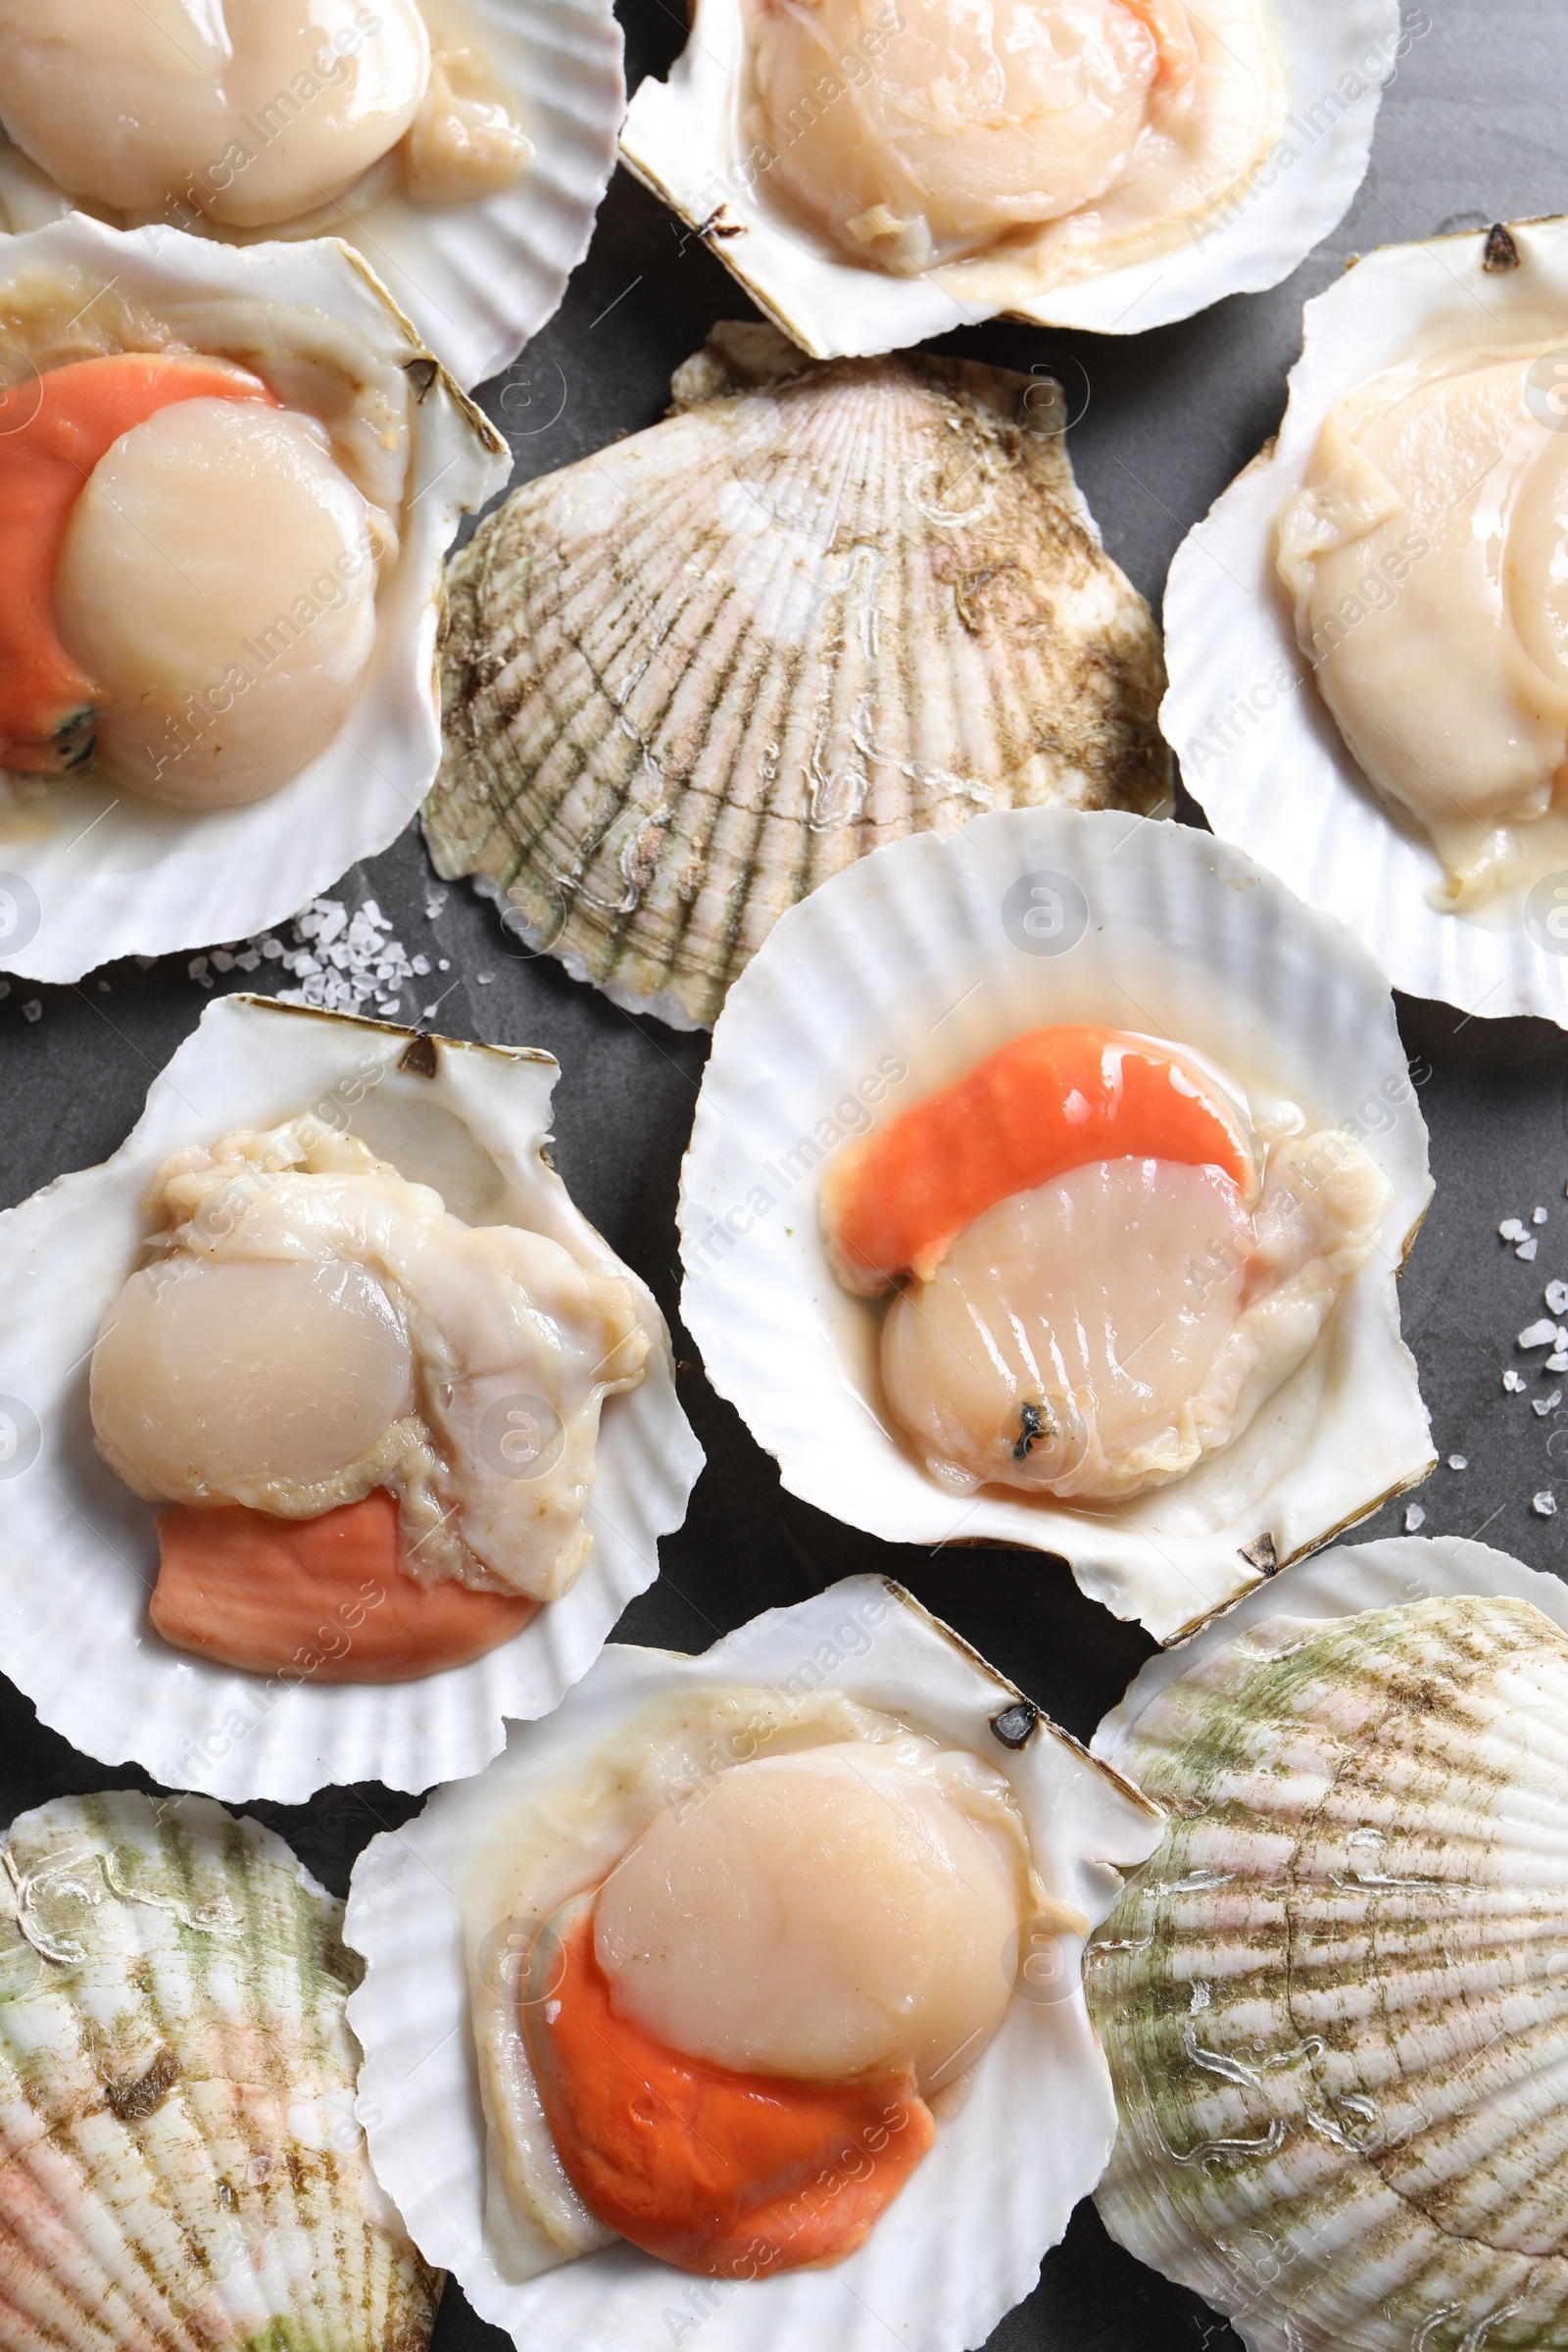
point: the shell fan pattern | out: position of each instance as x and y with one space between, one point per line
181 2168
1335 2000
687 679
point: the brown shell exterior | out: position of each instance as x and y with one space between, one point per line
690 678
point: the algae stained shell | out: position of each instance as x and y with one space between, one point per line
817 609
181 2166
1335 2002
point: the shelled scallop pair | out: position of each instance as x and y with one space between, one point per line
461 147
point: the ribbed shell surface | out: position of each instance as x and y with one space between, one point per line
180 2169
687 679
1335 2000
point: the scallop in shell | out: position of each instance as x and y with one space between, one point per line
462 147
876 172
1368 690
463 1132
218 689
443 1913
687 679
181 2160
900 982
1333 1999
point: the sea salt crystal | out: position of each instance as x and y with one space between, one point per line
222 961
1544 1504
434 901
1545 1404
420 964
1510 1230
1527 1249
1458 1461
32 1010
1557 1361
1557 1297
1513 1382
444 964
247 960
484 978
1538 1216
197 968
1538 1335
1414 1517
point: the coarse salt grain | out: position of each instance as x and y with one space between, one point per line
1545 1404
1510 1230
1414 1517
1557 1297
1513 1382
1458 1461
1527 1249
1544 1504
1538 1335
32 1010
1538 1216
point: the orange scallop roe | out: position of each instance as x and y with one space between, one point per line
1168 21
896 1200
54 428
731 2175
323 1599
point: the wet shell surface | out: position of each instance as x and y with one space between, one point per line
1333 2000
1257 745
180 2158
79 1549
92 870
687 139
686 680
478 280
899 976
962 2241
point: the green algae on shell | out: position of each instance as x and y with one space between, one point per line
1335 2002
817 608
181 2166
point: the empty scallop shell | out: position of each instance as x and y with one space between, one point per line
1028 2126
687 679
1333 2000
181 2159
79 1549
920 962
1257 745
685 138
477 280
88 871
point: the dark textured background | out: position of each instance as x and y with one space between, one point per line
1472 130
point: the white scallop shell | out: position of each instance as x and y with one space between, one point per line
1257 745
478 281
103 873
919 953
687 678
182 2163
683 138
77 1549
962 2241
1335 2001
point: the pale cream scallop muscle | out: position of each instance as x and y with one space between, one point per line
311 1327
1102 1333
973 123
1424 557
253 111
839 1914
219 552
